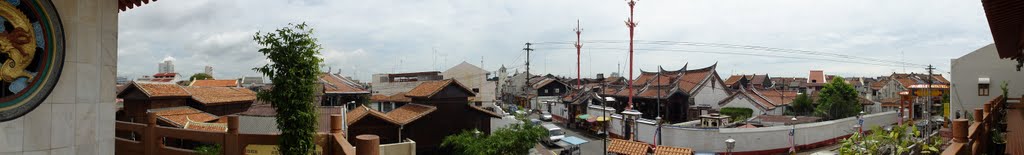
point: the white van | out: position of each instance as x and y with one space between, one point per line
555 134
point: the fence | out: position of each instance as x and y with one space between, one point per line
975 138
765 140
151 139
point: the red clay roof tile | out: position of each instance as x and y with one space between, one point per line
215 83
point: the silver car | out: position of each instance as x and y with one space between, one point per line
545 116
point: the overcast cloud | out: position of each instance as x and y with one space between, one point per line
379 36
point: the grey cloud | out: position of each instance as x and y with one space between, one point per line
365 37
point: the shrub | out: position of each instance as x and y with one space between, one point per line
737 114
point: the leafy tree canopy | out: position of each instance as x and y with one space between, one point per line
837 100
293 69
801 106
737 114
514 139
200 76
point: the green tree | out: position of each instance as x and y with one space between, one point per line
200 76
802 105
837 100
737 114
293 69
514 139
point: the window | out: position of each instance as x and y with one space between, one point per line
545 91
982 89
983 86
557 90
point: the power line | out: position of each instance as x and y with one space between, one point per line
747 47
746 54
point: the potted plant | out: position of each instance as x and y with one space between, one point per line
998 142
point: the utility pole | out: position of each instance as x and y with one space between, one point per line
527 87
578 46
930 98
657 114
632 25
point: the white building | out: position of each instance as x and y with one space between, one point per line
977 77
166 67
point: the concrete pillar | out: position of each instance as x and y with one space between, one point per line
367 145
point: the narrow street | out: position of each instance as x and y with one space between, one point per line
594 145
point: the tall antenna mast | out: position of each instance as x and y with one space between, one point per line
578 46
632 25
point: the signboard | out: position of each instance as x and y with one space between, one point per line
271 150
32 47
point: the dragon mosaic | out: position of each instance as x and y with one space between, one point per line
18 43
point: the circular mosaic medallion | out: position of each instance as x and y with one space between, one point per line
31 55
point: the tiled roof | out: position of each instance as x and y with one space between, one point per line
693 78
410 112
878 85
485 111
751 96
160 89
428 89
543 82
668 150
221 95
397 97
649 84
655 92
378 98
778 97
203 126
817 76
906 80
337 84
179 116
759 79
358 113
626 147
215 83
613 80
165 74
161 80
732 80
757 97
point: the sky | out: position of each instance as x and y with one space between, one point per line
361 38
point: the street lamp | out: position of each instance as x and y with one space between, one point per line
792 136
729 145
860 122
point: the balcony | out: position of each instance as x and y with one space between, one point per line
975 137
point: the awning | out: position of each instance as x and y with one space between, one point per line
573 140
584 116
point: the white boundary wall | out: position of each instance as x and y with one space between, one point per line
753 139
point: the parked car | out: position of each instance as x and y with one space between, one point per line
554 134
536 121
545 116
